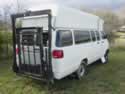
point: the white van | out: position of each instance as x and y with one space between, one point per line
56 41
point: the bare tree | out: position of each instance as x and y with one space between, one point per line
5 23
21 6
111 22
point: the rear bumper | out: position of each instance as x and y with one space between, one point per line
60 75
33 71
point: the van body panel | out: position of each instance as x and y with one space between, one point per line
65 20
74 54
65 17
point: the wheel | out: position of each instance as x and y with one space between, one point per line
105 59
81 70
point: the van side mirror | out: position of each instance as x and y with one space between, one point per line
105 36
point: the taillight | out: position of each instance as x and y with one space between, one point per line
17 50
58 54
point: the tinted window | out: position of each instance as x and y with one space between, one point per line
64 38
93 35
98 35
81 36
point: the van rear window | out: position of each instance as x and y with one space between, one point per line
30 38
27 38
64 38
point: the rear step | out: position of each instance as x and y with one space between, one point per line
33 68
37 77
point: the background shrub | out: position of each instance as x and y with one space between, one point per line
5 44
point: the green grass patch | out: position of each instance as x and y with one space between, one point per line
101 79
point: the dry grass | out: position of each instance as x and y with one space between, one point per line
101 79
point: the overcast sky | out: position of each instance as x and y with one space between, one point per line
76 3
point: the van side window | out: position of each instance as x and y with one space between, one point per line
93 36
82 36
64 38
98 35
104 35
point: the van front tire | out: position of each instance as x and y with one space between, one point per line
81 70
106 58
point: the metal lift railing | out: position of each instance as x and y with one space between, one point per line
22 37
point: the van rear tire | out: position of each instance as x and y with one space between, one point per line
81 70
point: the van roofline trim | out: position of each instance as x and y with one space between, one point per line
66 28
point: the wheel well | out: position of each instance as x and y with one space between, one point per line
107 51
86 61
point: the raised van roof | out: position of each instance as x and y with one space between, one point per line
65 17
